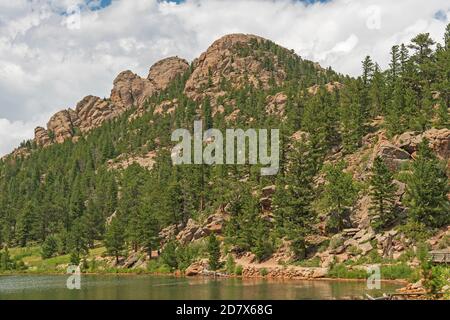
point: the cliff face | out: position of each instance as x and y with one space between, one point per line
128 90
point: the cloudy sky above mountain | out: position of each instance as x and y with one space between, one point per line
54 52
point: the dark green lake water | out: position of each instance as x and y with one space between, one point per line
152 287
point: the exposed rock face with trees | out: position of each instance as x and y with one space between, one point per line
129 90
363 179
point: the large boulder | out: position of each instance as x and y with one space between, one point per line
439 141
187 234
196 268
215 223
393 156
131 260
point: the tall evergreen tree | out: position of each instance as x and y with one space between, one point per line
427 189
382 193
115 238
339 194
214 252
294 194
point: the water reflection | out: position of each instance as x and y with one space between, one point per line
112 287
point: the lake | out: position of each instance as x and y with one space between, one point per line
110 287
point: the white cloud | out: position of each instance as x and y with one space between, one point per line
46 66
13 133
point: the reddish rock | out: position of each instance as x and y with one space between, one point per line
222 60
93 111
392 155
166 70
41 137
62 124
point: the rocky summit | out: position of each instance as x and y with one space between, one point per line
128 90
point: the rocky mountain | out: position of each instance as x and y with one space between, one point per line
226 61
102 170
128 90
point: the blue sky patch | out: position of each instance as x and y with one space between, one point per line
440 15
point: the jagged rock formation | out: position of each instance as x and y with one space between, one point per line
392 156
41 137
222 60
439 141
193 230
62 125
163 72
93 111
128 90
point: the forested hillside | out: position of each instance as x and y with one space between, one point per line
364 162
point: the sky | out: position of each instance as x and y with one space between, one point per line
55 52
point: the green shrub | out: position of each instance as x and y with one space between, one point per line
396 271
238 270
353 250
445 242
169 255
188 254
415 230
336 241
9 264
263 272
158 266
231 264
49 247
342 271
311 263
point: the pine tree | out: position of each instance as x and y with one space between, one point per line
382 193
404 61
214 252
78 242
115 238
368 70
49 247
377 93
294 194
421 44
427 189
340 192
395 63
447 37
263 247
244 210
320 120
352 117
149 225
169 255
